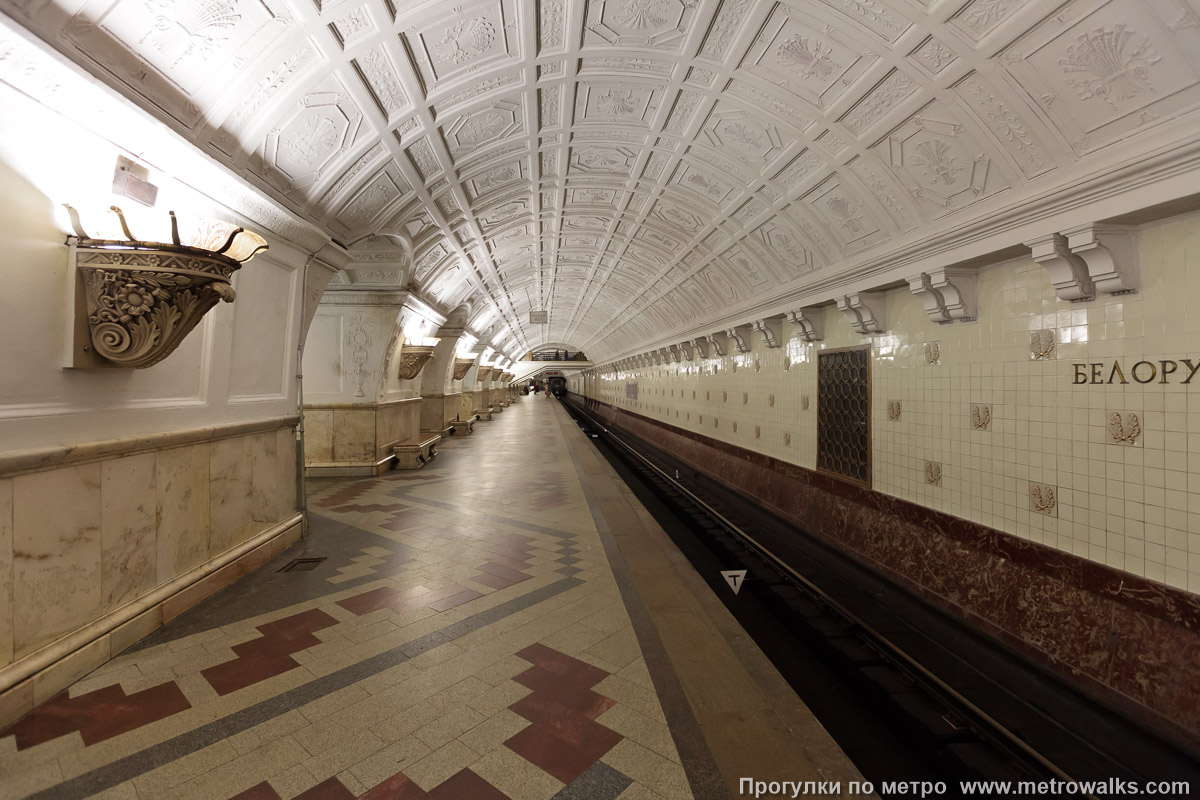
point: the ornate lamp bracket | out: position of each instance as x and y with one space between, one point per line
461 366
865 310
135 300
413 358
949 294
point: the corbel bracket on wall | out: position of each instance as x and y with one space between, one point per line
1068 272
702 346
673 351
1112 255
809 323
719 342
739 338
949 294
865 310
771 329
688 351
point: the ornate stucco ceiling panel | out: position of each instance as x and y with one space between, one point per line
616 103
499 181
472 38
353 25
381 194
245 118
322 127
659 24
847 215
476 129
888 190
884 98
180 56
815 62
941 161
1104 73
978 18
1019 133
731 17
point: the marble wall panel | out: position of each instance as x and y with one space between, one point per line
397 422
6 571
128 530
466 405
285 472
318 435
231 492
264 476
182 498
354 435
451 407
56 554
432 409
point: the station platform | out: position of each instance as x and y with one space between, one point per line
508 621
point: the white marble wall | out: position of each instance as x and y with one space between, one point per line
1135 508
82 540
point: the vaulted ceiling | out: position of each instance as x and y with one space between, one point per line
636 167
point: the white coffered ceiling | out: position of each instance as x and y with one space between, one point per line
639 167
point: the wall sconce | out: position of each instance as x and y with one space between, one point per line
137 298
413 358
461 365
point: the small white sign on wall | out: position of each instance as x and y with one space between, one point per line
539 317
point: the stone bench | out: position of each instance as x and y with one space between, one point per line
462 427
496 407
484 414
414 453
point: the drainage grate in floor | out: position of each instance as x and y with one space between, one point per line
302 564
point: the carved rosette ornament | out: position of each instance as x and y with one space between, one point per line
412 359
142 297
461 366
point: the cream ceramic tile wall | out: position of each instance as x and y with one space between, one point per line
1133 507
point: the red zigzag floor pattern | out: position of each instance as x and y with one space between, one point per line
109 712
564 739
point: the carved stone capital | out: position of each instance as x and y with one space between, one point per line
461 366
412 358
809 322
865 310
949 294
739 338
771 330
1112 255
482 375
1068 272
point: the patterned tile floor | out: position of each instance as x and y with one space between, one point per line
467 636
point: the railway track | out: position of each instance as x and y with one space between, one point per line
909 693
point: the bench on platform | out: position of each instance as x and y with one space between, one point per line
484 414
414 453
462 427
497 408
